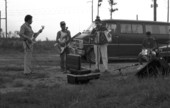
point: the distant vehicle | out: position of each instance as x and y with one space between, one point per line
127 37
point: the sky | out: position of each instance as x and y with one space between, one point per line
76 13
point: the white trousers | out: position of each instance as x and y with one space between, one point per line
101 51
27 58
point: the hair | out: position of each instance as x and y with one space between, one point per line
27 18
62 23
97 19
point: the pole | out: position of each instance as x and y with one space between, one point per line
168 12
0 25
0 21
155 6
111 11
92 11
137 17
98 9
6 17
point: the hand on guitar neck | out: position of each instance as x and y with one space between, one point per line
35 35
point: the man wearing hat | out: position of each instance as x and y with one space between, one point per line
100 46
63 38
149 47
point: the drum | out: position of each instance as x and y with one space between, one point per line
145 52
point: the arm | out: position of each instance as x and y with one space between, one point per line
144 44
58 37
69 37
40 31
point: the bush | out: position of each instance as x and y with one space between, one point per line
16 45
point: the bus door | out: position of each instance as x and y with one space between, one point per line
130 40
113 46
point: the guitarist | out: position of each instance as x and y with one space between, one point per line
28 36
63 38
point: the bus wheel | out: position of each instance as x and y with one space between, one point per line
90 57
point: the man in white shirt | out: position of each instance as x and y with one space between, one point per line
63 38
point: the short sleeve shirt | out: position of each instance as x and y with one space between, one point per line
26 30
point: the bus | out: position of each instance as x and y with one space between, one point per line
127 37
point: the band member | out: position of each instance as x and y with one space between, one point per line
149 47
28 36
63 38
100 46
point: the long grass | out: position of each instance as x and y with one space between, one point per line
16 45
107 92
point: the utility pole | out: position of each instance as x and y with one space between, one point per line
98 5
0 21
154 5
111 2
6 18
168 12
91 9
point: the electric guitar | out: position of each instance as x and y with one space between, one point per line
60 48
33 38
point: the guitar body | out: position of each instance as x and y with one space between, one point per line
61 49
29 44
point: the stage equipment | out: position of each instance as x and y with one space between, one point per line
78 74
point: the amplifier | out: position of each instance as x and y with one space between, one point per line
73 62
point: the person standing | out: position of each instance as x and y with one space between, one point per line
149 47
100 46
63 38
28 35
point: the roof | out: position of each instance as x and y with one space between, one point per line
139 21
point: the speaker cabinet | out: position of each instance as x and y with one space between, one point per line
73 61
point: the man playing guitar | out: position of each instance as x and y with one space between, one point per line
63 39
28 36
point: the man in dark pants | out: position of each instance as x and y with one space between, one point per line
63 38
149 46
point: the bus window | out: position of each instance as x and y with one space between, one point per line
111 27
125 28
164 30
158 29
154 29
137 28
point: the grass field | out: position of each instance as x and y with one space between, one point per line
48 87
